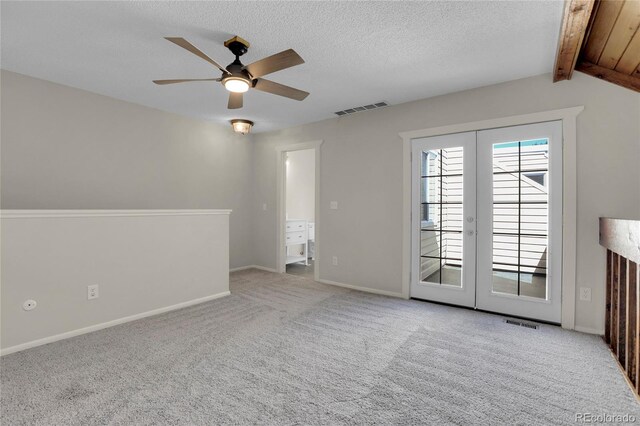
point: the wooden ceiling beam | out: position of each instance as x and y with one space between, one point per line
601 38
577 14
612 76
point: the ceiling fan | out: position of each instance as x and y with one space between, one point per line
238 78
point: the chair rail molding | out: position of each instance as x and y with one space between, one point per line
20 214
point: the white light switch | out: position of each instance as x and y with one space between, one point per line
333 205
264 206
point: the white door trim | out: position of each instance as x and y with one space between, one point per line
281 200
569 193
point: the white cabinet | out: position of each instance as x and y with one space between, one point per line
295 237
297 234
296 225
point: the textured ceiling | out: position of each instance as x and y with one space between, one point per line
356 53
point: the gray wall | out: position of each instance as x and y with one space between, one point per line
67 148
361 168
64 148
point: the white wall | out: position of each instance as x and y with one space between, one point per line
361 168
141 261
64 148
301 184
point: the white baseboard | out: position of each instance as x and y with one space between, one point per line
364 289
589 330
262 268
241 268
96 327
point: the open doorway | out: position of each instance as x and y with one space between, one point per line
300 208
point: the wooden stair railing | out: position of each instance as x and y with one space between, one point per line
622 315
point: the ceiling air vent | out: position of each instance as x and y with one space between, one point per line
361 108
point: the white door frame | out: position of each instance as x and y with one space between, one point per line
569 193
281 206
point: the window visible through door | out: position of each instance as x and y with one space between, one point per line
441 223
520 217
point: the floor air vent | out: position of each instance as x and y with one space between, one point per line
361 108
521 323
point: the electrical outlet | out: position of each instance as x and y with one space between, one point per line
92 292
585 294
333 205
334 261
29 305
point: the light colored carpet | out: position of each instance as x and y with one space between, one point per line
286 350
301 270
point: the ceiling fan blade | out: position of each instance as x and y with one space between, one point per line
279 61
191 48
280 89
235 100
185 80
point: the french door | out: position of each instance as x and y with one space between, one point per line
443 216
487 220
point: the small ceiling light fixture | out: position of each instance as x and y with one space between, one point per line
241 126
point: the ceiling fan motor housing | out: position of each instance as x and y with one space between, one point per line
235 70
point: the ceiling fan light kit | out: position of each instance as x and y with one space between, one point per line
238 78
236 84
241 126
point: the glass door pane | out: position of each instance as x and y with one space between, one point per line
443 199
441 221
520 217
